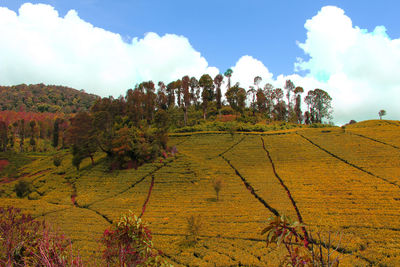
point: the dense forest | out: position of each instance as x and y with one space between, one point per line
44 98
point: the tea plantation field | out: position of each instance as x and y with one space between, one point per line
341 180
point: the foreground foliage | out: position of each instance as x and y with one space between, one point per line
299 250
330 194
27 242
128 242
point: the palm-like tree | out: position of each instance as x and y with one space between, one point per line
228 74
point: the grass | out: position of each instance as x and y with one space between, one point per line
16 161
332 175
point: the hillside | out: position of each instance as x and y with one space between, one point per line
343 180
44 98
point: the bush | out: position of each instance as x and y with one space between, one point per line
227 110
129 243
320 125
23 188
57 160
26 242
302 250
193 227
217 185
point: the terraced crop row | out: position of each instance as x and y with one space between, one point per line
331 176
333 194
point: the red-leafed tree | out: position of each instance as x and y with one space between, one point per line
3 136
81 137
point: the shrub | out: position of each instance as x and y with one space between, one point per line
217 185
57 160
193 228
227 110
26 242
22 188
301 249
128 242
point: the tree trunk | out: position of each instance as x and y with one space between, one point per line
185 117
91 158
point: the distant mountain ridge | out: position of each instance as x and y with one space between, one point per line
45 98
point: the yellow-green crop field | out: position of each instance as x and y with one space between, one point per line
344 181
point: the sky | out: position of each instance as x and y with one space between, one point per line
351 49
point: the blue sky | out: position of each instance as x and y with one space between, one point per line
105 47
223 31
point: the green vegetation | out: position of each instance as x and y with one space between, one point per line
14 162
44 98
180 148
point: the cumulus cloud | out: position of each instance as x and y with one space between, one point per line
37 45
358 68
247 68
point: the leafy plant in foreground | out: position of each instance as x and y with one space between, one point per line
27 242
128 242
300 252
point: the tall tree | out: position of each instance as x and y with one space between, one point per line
297 108
207 95
270 98
21 133
381 113
194 91
178 89
218 82
289 87
186 96
228 74
170 94
280 108
261 101
56 132
32 141
162 100
134 104
150 100
81 136
236 97
3 136
252 92
319 103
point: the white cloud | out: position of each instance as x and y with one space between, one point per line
37 45
246 69
359 69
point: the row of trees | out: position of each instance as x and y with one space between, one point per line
187 93
146 112
123 132
20 131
